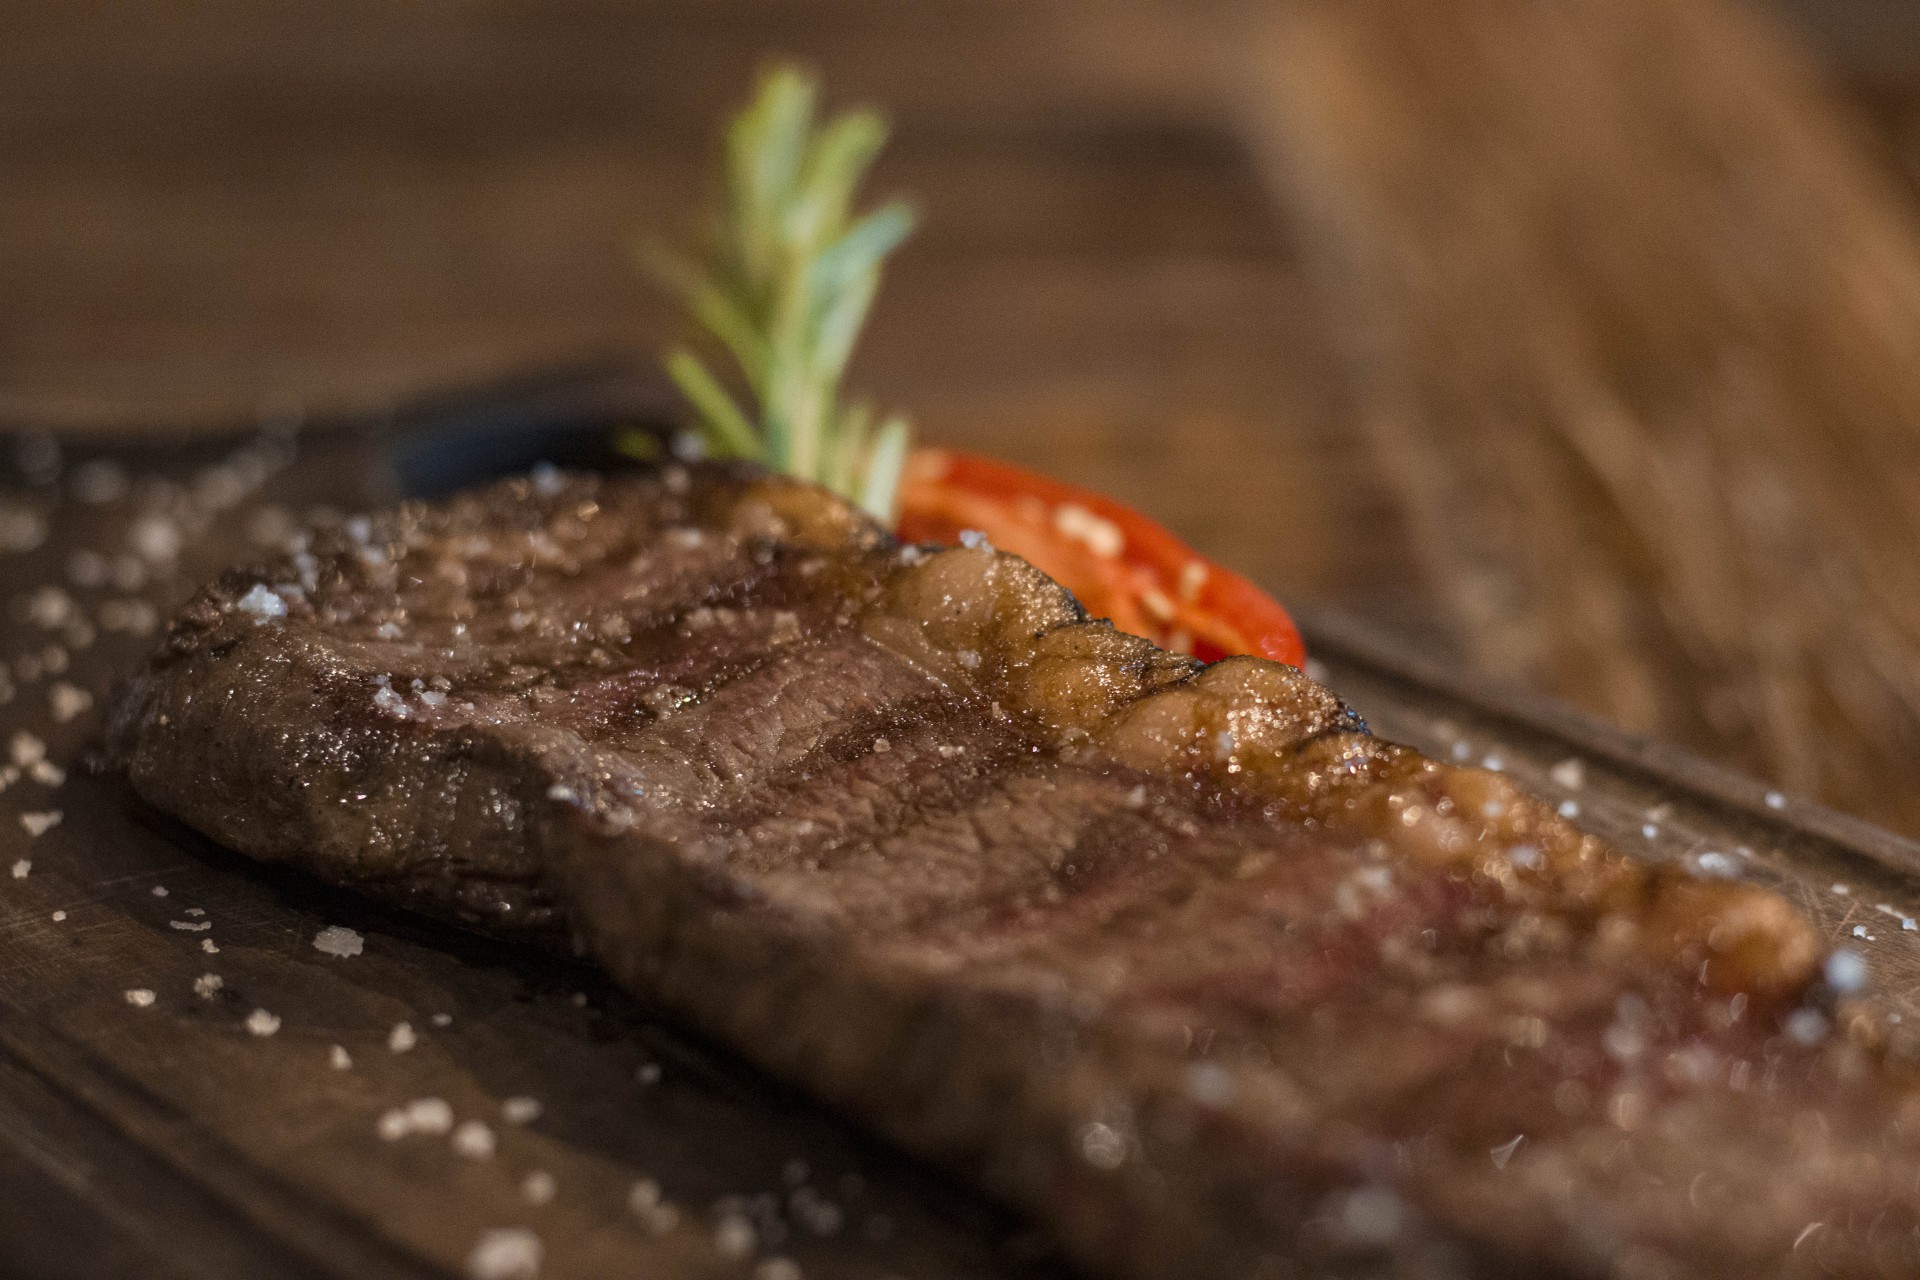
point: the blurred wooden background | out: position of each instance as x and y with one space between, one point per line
1580 341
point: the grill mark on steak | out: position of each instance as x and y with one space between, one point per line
1184 962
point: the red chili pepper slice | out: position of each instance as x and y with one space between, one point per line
1120 564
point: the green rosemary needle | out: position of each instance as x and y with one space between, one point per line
789 275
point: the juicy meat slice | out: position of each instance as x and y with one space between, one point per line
1181 960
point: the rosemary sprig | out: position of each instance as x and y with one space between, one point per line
789 276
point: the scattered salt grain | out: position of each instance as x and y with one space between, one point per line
21 867
441 1019
882 745
20 528
1103 1146
521 1110
474 1140
48 608
158 891
339 1059
68 701
560 791
393 1125
1860 931
156 538
1493 763
734 1238
649 1073
207 945
190 926
47 773
263 602
38 824
505 1253
1775 800
390 702
140 997
58 916
547 479
1568 809
973 540
26 749
1907 922
1806 1026
1715 864
1846 971
262 1023
644 1202
1570 773
402 1037
208 985
429 1116
338 940
538 1187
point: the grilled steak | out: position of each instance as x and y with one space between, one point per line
1180 959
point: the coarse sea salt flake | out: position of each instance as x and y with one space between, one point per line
402 1037
140 997
21 867
38 824
521 1109
262 1023
429 1115
338 940
208 985
66 702
263 602
474 1140
26 749
1846 971
505 1253
338 1058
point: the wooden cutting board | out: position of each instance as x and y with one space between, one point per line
152 1124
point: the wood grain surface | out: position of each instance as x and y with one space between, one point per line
1574 340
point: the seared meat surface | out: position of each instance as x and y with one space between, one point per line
1207 979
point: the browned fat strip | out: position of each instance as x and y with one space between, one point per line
1205 978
